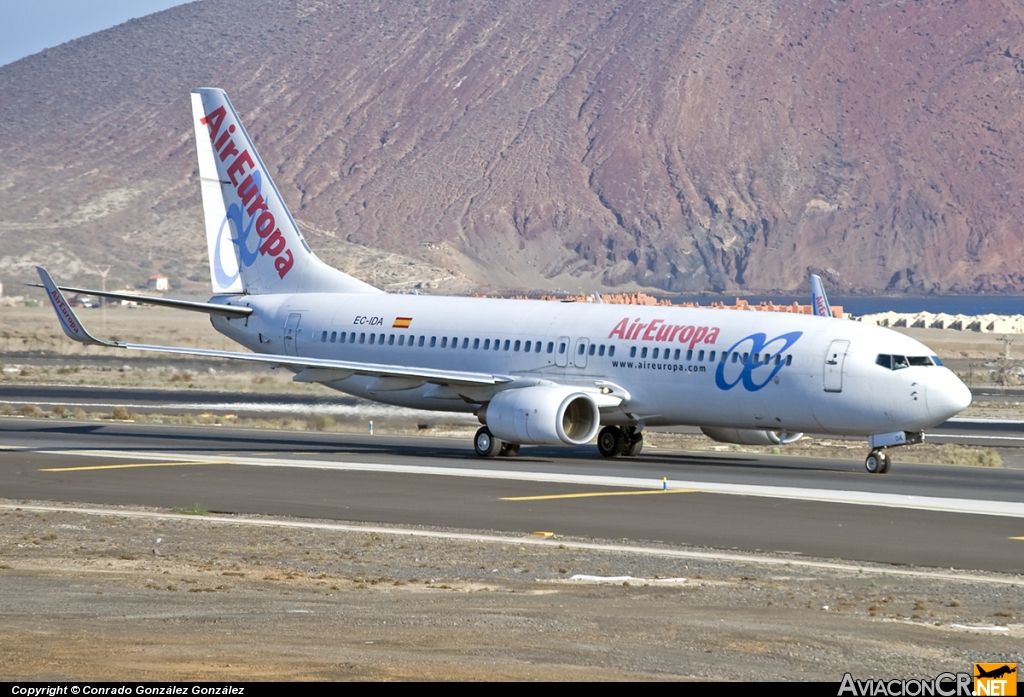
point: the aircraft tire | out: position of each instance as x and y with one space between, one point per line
509 450
485 444
611 441
886 461
635 444
875 462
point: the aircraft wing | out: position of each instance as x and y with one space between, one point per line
319 369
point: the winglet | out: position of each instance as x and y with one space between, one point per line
68 320
819 301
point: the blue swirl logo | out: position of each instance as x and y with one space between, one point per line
245 257
754 375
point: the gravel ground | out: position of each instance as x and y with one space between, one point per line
148 595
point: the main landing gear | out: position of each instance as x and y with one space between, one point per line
613 441
486 445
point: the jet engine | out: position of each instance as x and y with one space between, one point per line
750 436
542 415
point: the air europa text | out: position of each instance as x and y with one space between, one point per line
248 190
657 330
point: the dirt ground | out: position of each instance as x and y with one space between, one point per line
115 596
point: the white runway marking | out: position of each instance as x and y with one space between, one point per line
855 569
1008 509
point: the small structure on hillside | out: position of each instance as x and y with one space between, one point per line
158 282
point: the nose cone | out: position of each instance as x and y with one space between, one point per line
947 396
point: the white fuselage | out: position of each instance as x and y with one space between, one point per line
781 372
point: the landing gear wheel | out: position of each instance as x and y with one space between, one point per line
485 444
509 450
634 444
877 462
611 441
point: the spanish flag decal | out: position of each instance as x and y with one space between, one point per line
402 323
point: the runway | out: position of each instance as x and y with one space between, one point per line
935 516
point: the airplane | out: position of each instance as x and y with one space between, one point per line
819 301
534 372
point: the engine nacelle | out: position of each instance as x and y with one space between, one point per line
542 415
750 436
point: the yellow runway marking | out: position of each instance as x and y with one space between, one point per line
1017 538
129 466
600 493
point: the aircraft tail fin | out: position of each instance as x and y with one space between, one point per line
819 301
255 247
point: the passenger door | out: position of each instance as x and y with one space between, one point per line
579 354
834 360
291 333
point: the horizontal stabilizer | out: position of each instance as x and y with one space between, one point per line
208 308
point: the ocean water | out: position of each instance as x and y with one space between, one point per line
950 304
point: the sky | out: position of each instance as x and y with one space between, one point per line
29 26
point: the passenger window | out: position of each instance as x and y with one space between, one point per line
506 344
767 359
789 360
391 339
735 357
341 339
655 354
757 358
700 355
401 339
444 342
518 345
561 348
536 347
611 350
745 357
632 351
676 355
465 342
433 341
334 337
600 351
422 339
689 354
497 344
487 344
476 343
362 337
551 346
373 338
643 352
455 342
527 347
778 358
380 339
711 356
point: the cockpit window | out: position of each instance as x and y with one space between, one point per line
894 362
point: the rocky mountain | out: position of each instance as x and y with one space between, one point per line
676 144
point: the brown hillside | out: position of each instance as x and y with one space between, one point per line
679 145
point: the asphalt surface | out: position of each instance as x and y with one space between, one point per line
981 432
438 482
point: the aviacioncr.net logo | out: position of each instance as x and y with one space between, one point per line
754 374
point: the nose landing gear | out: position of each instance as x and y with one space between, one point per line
878 461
